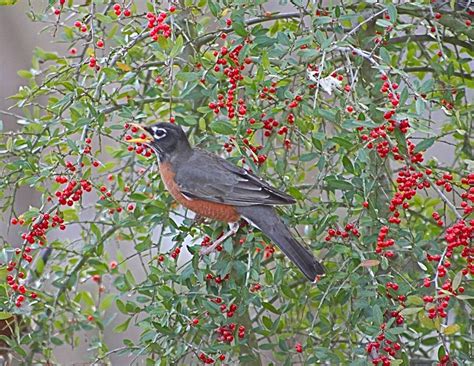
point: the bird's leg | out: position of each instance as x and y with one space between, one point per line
234 227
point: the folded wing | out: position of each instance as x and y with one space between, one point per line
218 180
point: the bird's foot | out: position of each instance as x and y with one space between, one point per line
198 220
234 227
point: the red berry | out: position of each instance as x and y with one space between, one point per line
100 43
298 347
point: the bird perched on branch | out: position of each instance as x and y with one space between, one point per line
214 188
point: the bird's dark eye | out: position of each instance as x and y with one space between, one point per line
160 133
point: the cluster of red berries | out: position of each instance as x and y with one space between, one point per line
19 289
228 311
446 361
138 147
217 279
226 333
209 360
437 307
468 195
118 10
445 182
349 229
79 25
391 289
382 344
295 102
175 253
257 158
267 92
268 250
206 241
383 243
460 234
158 26
228 61
57 11
93 63
73 191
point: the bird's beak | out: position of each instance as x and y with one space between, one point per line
148 137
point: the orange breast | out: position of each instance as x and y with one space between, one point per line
212 210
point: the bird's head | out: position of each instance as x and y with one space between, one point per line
166 139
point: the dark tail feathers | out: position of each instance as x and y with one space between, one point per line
266 219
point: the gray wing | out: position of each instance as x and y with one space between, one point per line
208 177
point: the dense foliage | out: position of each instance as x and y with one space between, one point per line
338 105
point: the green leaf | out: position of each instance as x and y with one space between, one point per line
424 144
385 55
70 214
377 314
7 2
411 311
414 300
270 307
122 327
451 329
308 156
25 74
213 7
348 164
427 86
457 280
465 297
392 12
401 141
334 183
420 106
441 352
106 302
222 127
239 28
5 315
267 322
177 47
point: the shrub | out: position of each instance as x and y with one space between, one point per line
345 107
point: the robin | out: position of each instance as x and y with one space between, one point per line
214 188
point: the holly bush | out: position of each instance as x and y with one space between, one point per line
344 105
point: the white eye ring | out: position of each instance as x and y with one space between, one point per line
159 133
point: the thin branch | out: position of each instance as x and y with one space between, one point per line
429 38
430 69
